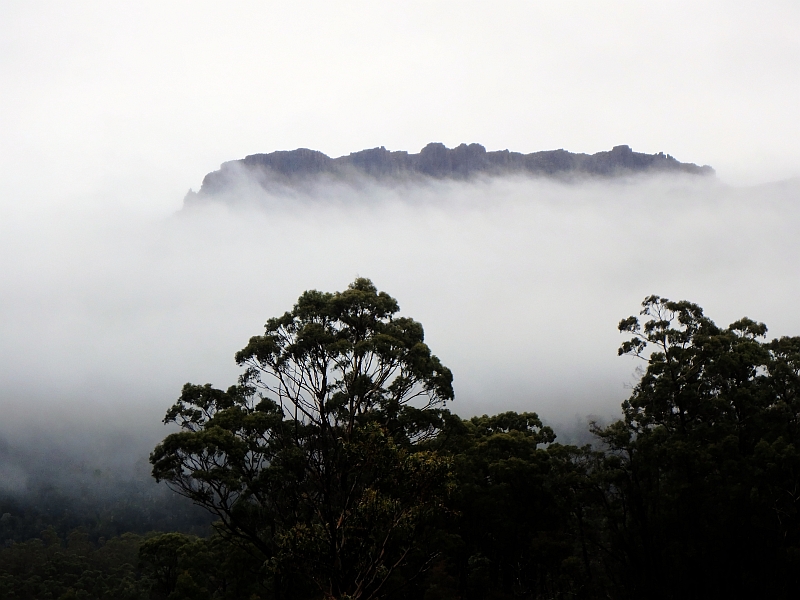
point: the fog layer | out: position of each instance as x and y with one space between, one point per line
520 284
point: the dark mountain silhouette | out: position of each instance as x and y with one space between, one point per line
294 167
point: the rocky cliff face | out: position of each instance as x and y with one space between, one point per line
292 168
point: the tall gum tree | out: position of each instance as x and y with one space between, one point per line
314 459
701 495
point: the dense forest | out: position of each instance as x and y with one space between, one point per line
334 469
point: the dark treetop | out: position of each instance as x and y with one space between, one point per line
292 168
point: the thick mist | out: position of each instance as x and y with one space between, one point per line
520 284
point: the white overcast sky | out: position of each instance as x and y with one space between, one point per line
143 98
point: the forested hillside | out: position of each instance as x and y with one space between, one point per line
336 469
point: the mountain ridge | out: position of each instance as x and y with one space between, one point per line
289 168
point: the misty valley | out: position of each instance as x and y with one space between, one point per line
526 443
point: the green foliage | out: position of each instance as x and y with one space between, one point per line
515 534
115 505
170 566
184 567
701 474
49 567
336 472
313 460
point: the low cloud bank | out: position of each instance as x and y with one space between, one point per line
519 283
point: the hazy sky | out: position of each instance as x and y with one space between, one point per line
110 111
133 102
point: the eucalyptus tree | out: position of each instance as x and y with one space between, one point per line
314 459
702 470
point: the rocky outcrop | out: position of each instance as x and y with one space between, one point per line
294 167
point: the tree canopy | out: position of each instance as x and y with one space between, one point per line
700 477
335 470
314 458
